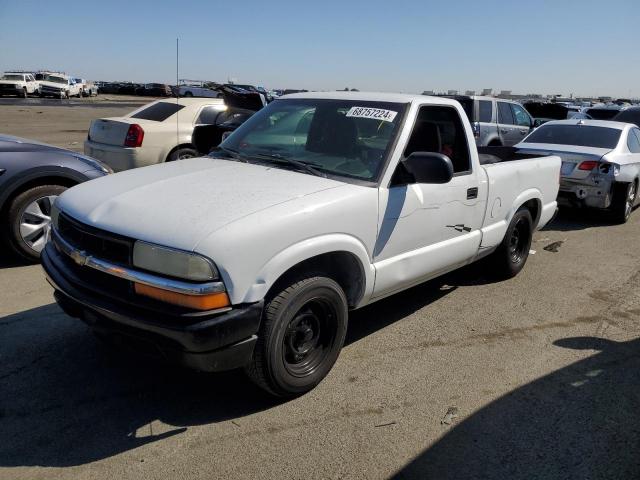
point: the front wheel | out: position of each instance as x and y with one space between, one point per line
302 332
24 93
624 197
510 257
30 220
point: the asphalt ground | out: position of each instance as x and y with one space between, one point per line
459 378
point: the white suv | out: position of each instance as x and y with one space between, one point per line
19 84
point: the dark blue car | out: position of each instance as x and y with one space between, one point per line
32 175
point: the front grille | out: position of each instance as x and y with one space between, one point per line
104 245
5 86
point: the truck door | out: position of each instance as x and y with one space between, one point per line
427 229
507 130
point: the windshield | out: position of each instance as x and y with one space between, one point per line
56 79
347 138
580 135
12 77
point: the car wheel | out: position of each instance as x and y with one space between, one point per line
182 153
624 198
188 94
511 255
24 93
302 332
30 220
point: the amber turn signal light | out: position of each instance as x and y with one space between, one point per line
210 301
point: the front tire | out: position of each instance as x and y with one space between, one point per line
29 218
624 198
302 332
512 254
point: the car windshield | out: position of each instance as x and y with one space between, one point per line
57 79
12 77
580 135
629 116
346 138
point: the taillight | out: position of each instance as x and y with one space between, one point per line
588 165
134 137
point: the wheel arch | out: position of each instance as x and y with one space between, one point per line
341 257
24 184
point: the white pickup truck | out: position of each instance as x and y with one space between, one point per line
58 85
318 204
20 84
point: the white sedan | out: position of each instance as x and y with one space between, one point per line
600 162
158 132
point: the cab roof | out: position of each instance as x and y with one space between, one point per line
373 97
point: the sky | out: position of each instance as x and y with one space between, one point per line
580 47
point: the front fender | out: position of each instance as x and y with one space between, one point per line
304 250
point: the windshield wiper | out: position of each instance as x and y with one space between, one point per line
232 153
277 158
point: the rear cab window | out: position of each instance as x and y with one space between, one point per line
158 112
579 135
633 140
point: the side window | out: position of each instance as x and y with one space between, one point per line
208 115
504 114
633 141
520 116
485 109
440 130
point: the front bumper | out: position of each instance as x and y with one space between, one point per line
207 341
586 193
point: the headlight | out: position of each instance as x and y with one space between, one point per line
174 263
92 162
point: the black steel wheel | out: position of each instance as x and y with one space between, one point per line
301 336
511 255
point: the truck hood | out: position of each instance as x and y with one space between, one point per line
61 86
12 82
179 203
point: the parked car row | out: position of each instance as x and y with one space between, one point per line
45 84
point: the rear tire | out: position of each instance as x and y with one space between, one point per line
624 198
182 153
302 332
29 220
510 257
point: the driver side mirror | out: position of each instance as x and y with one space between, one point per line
429 167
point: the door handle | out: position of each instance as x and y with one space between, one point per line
523 132
504 130
472 193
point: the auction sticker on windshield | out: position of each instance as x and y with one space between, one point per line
374 113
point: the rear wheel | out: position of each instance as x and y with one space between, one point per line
624 197
182 153
511 255
302 333
30 220
188 94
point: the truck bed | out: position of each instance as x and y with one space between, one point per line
489 155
